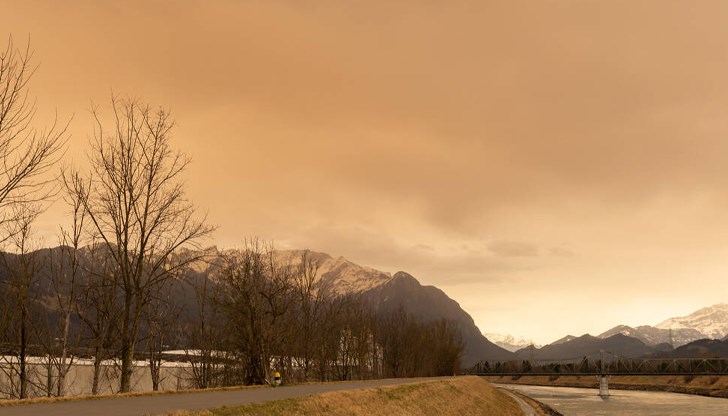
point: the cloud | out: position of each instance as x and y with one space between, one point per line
513 249
377 129
561 252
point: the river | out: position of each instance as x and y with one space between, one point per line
578 401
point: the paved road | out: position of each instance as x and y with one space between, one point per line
151 405
575 401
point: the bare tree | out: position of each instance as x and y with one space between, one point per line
328 337
64 275
26 152
310 297
26 155
357 348
135 201
21 269
97 306
161 321
205 330
255 298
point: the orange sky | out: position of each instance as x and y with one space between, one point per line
555 166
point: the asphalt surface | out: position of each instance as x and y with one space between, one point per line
152 405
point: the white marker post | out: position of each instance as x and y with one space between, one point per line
603 379
604 386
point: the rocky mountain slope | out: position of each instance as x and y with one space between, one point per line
430 303
341 275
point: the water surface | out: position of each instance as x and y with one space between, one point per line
575 401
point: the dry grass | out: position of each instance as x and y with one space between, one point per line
716 386
455 397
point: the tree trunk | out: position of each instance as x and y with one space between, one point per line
97 372
63 368
127 366
154 368
61 388
127 353
23 352
49 377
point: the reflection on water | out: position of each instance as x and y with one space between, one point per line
574 401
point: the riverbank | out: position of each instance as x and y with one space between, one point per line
711 386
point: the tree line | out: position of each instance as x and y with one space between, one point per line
128 279
258 315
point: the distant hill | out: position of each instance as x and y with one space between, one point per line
588 346
704 348
651 335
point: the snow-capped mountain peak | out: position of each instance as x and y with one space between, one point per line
654 336
711 321
340 274
509 342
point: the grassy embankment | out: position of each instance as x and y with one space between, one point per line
455 397
715 386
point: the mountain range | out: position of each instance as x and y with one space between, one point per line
624 346
701 334
651 335
587 346
691 334
385 291
382 291
706 323
402 290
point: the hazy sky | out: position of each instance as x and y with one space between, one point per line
555 166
